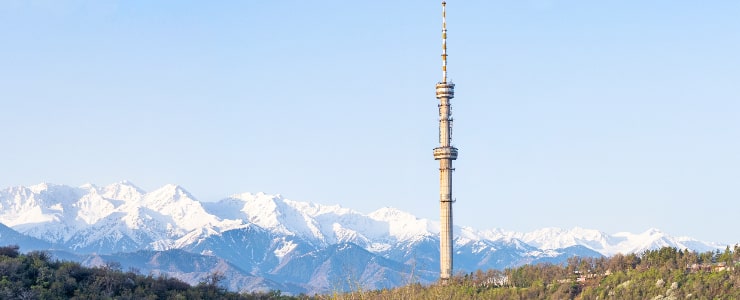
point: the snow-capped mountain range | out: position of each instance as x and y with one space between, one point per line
275 242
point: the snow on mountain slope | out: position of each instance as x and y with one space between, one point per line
267 211
606 244
175 202
335 223
121 215
123 191
404 226
92 206
554 238
322 224
36 204
116 217
653 239
44 211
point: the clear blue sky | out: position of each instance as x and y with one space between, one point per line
612 115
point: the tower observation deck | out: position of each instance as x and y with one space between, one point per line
445 154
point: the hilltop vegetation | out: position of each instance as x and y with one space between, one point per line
666 273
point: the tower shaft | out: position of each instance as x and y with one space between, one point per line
445 153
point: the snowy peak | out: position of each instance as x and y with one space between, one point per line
92 207
403 225
653 239
322 224
166 195
40 203
315 210
90 215
261 209
282 216
177 203
392 214
124 191
554 238
606 244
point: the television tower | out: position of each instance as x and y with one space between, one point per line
445 154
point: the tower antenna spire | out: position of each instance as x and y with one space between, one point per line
444 42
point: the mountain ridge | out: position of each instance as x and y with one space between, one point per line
175 213
269 236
